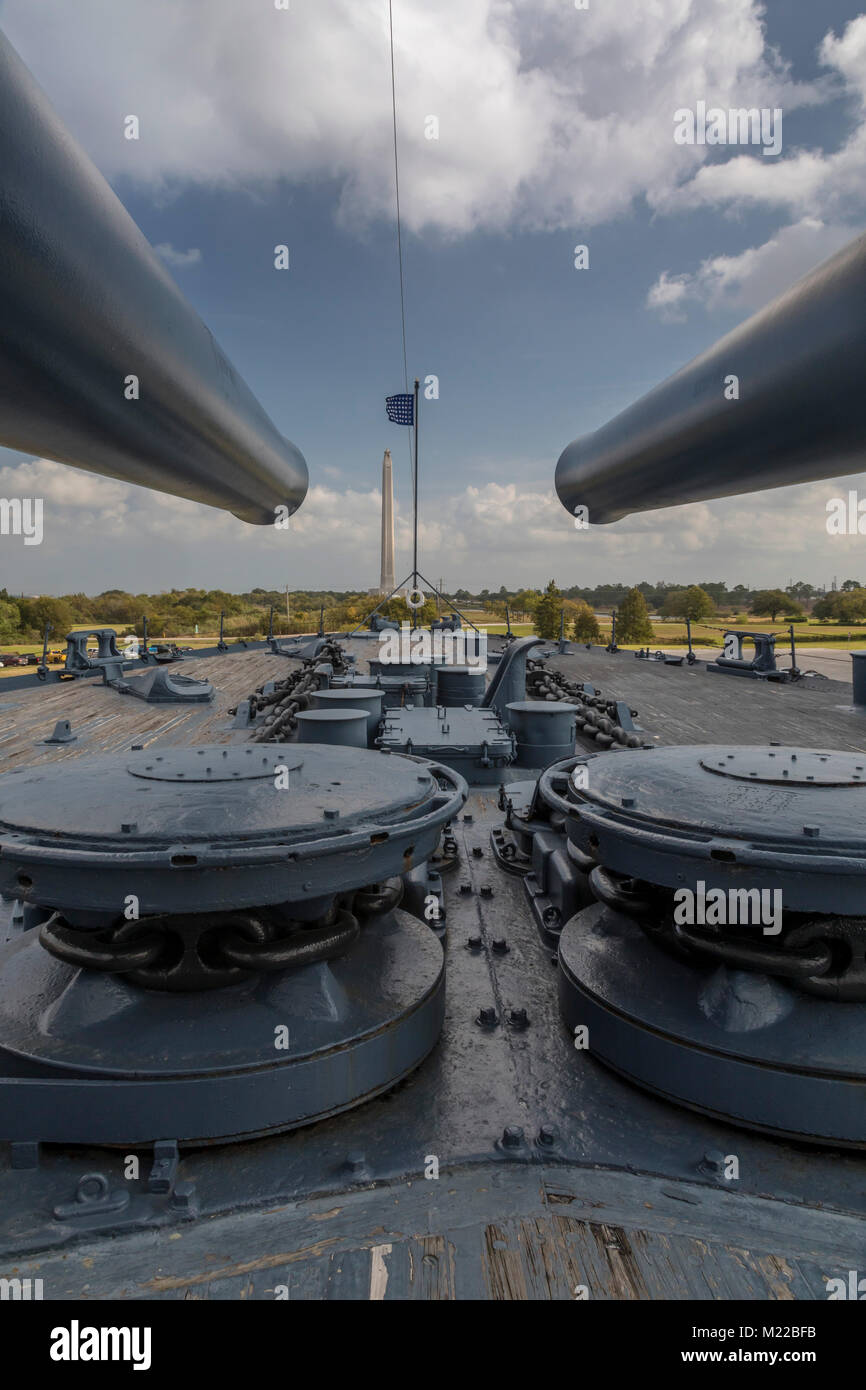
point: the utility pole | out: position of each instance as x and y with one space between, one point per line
288 619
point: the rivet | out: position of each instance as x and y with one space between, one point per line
487 1018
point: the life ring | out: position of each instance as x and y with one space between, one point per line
416 598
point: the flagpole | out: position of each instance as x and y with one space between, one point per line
415 492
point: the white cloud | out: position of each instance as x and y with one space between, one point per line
549 116
115 535
805 183
177 259
754 277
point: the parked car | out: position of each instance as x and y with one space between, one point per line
15 659
32 659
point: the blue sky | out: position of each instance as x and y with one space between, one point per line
261 127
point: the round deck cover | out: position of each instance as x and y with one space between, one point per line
283 822
786 817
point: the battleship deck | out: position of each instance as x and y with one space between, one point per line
676 705
619 1206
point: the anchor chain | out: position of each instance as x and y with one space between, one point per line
596 716
825 956
196 951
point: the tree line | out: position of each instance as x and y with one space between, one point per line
190 612
187 612
693 601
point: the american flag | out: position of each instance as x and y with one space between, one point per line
400 409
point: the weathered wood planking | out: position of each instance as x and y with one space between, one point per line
106 721
504 1236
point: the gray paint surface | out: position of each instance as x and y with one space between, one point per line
800 413
87 303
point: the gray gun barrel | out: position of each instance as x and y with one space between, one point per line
800 415
85 303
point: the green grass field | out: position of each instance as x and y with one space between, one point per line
669 633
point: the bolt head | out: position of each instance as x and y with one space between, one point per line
713 1161
500 946
183 1196
512 1136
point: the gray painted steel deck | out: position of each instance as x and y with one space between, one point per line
618 1205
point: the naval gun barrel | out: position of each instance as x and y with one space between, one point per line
796 413
85 305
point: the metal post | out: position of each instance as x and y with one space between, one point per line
270 622
144 655
42 670
221 645
415 499
415 518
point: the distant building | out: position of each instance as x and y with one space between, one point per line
387 578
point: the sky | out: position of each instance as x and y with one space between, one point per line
261 127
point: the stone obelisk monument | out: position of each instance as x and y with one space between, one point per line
387 580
